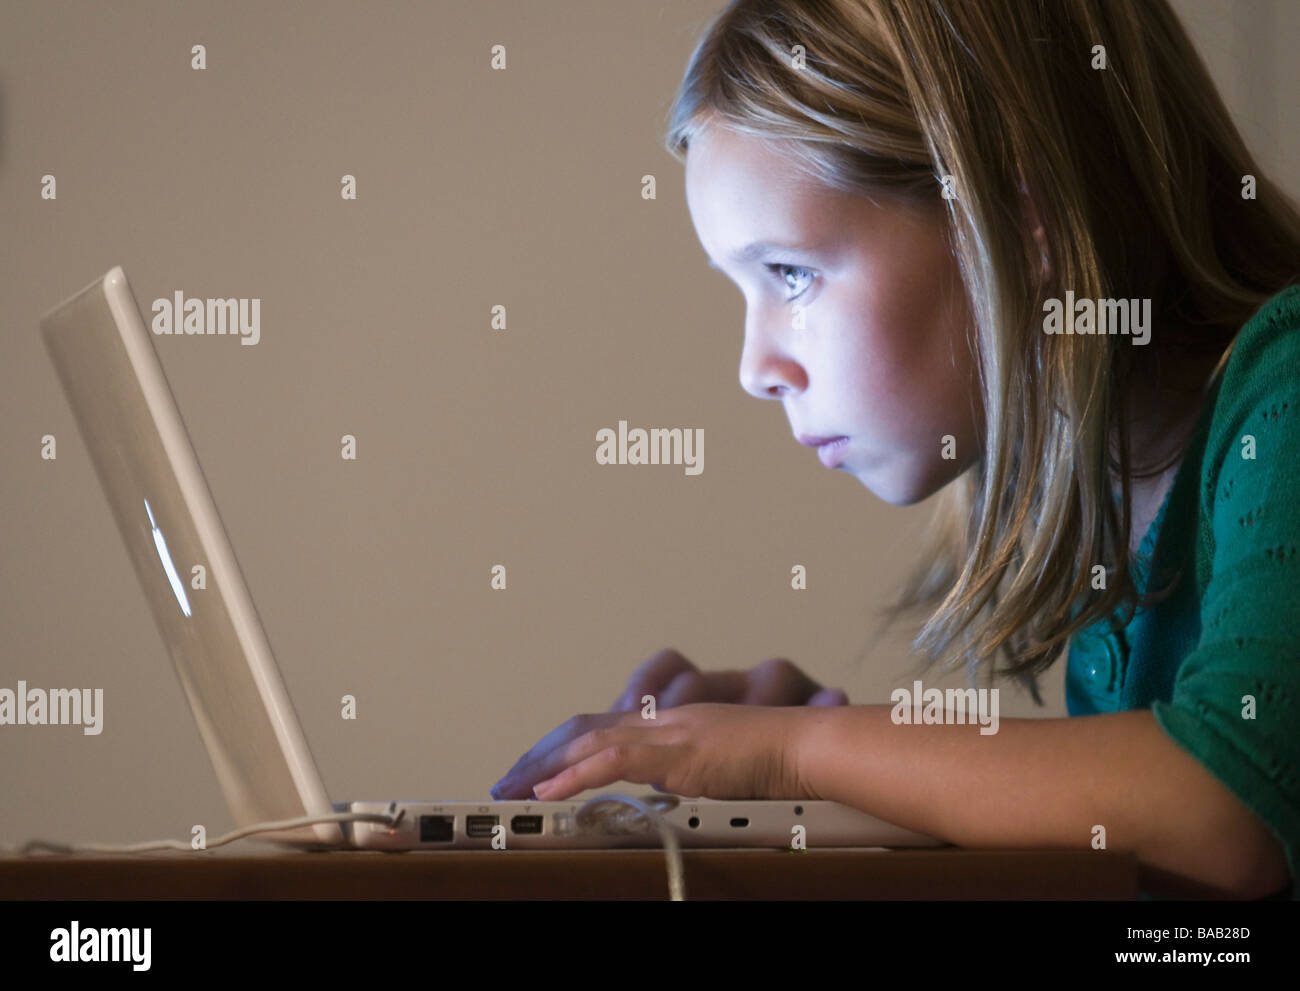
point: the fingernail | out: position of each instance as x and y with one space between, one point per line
538 789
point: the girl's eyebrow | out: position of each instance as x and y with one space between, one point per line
759 249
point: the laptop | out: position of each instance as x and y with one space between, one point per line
150 474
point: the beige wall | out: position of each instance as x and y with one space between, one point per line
475 447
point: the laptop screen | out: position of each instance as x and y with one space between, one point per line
164 510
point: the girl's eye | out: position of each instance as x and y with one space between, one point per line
781 272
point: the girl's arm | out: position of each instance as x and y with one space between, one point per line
1047 782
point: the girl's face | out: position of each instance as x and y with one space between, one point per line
882 357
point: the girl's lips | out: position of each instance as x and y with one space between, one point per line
808 440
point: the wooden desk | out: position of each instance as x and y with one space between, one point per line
929 874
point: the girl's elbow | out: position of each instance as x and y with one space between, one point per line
1248 860
1215 846
1265 871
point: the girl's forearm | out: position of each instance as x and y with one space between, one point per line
1046 783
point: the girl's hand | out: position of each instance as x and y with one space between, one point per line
704 749
674 681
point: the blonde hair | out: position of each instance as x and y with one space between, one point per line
1135 174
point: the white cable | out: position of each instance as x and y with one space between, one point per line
591 816
262 827
595 815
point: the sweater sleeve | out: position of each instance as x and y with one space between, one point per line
1235 704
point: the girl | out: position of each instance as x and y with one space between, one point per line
1016 254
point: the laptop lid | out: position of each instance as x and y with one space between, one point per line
150 474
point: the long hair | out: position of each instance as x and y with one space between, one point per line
1131 165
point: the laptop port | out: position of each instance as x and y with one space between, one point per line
739 823
522 825
437 829
480 827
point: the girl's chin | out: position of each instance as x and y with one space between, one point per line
894 488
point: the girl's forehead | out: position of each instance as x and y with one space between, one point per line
750 173
721 146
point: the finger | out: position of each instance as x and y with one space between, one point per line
635 762
519 783
696 686
829 696
779 682
687 687
652 677
562 734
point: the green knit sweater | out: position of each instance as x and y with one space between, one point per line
1218 662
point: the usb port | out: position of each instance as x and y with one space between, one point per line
480 826
739 823
526 824
436 829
